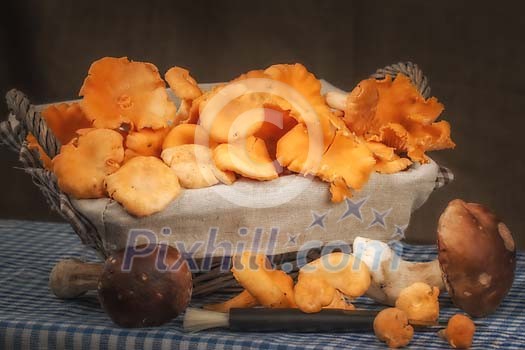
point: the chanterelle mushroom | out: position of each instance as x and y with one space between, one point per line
476 261
459 332
320 281
420 302
391 326
84 163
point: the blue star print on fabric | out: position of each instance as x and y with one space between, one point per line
292 239
353 208
399 232
318 220
379 218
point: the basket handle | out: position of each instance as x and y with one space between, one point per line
24 118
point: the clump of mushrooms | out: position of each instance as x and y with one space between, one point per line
476 261
151 292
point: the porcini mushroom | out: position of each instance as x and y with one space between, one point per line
476 261
71 278
459 332
391 326
151 290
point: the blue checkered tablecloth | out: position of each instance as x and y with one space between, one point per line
32 318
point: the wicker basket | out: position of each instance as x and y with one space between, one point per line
25 118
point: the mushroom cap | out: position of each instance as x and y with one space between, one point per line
118 91
146 295
86 161
145 142
323 281
248 157
420 302
64 120
391 326
271 288
182 83
477 255
459 332
143 185
194 166
184 134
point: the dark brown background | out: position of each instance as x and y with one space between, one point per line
473 53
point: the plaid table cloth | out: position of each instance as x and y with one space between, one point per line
32 318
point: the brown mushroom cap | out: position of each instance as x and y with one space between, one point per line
477 255
146 295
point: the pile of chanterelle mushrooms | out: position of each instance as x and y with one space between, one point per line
127 140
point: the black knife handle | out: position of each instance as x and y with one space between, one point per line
294 320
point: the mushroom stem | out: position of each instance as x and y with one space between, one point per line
70 278
336 99
390 273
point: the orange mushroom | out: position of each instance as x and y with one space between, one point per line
118 91
391 326
323 281
184 87
387 161
271 288
346 164
359 106
145 142
184 134
276 124
248 157
84 163
420 302
459 332
64 120
236 110
182 83
394 112
299 151
143 185
194 166
309 87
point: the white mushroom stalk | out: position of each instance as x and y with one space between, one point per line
390 274
71 278
336 99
